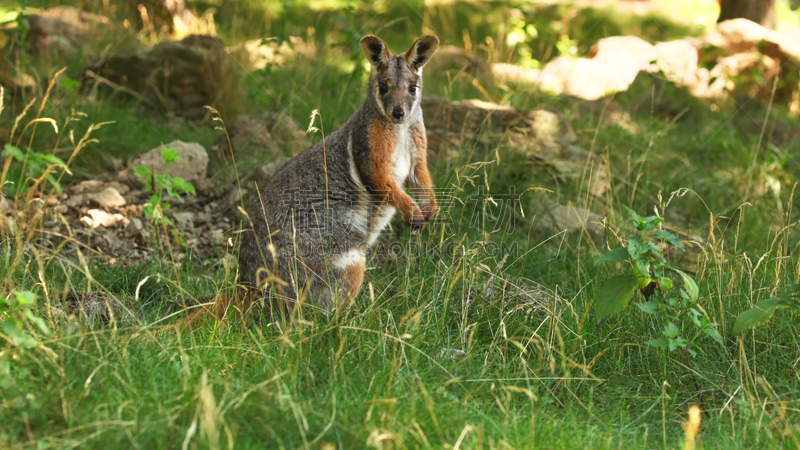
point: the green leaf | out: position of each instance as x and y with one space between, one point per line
662 343
67 83
38 321
183 185
792 290
171 192
25 298
643 266
690 286
51 159
636 249
170 155
669 237
10 150
648 307
677 343
53 182
651 222
671 330
143 172
618 254
614 295
696 317
715 335
757 315
637 219
13 329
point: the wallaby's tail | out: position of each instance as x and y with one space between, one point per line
236 304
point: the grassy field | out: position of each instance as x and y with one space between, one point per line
488 338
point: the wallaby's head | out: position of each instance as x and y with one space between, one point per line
395 83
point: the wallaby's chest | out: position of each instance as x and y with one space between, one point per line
403 154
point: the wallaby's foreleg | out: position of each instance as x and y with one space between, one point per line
382 180
420 180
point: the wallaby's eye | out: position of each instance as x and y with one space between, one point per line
383 88
413 89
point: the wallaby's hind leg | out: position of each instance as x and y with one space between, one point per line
354 276
348 268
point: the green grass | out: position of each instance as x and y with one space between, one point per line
380 373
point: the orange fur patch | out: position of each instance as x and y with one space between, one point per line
381 142
354 274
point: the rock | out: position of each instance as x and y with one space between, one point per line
450 58
98 191
616 62
134 226
738 35
184 219
93 308
741 48
554 218
13 79
266 171
191 165
545 137
261 138
62 28
176 76
652 94
679 61
98 218
581 77
108 198
510 73
258 54
524 297
624 54
451 354
6 205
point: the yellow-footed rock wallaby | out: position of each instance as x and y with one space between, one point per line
313 221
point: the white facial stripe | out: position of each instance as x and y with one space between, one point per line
379 102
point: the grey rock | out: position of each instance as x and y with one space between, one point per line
108 198
191 165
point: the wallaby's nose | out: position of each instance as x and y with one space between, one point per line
398 113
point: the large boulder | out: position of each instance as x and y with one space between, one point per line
181 77
615 63
740 48
191 165
61 29
261 138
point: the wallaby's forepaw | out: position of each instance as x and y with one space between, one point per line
416 219
429 211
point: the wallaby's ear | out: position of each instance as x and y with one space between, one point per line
420 53
375 50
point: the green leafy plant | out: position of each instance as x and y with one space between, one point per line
763 311
34 166
160 183
16 309
670 293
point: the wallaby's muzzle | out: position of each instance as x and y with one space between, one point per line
398 114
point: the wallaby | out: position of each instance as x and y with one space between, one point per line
314 220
